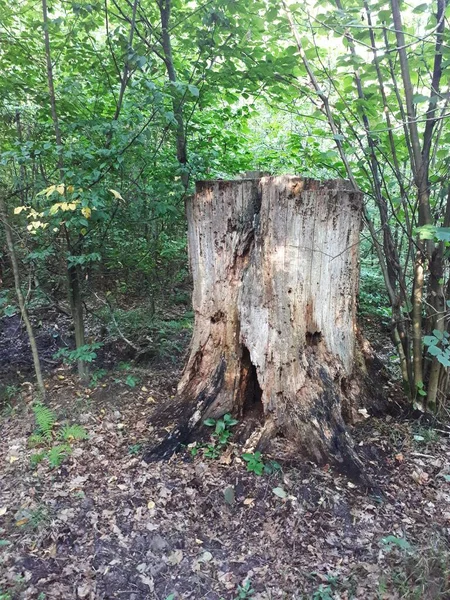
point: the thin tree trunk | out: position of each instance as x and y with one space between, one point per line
20 298
73 278
165 7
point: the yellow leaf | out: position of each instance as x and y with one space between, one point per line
3 510
248 501
13 459
22 522
116 194
49 191
83 231
86 212
19 209
151 505
60 189
54 208
70 189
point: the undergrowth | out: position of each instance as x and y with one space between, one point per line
53 440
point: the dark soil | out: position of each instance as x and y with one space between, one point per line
105 524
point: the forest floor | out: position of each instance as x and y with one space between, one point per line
105 524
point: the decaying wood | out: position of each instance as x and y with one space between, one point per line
275 265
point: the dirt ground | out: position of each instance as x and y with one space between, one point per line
105 524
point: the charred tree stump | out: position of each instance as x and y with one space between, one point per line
275 264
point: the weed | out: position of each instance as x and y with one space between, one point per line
221 435
85 353
131 381
255 464
11 392
418 573
324 592
244 591
96 376
134 449
426 435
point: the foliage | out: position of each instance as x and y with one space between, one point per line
45 435
245 591
256 464
45 420
221 435
85 353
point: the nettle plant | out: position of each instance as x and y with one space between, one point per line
47 433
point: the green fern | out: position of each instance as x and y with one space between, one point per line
37 458
36 439
45 421
73 432
57 454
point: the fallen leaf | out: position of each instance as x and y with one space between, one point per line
3 510
248 501
206 556
279 492
229 495
175 557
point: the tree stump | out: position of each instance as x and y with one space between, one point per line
275 265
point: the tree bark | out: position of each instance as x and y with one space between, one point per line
275 263
21 299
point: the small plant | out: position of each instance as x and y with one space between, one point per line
244 591
96 376
324 592
221 435
134 449
426 435
131 381
11 392
399 542
255 464
57 454
84 353
45 420
45 435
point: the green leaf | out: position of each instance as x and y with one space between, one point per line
397 541
420 99
209 422
229 495
278 491
430 340
194 90
434 350
421 8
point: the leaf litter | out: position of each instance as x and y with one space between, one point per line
105 524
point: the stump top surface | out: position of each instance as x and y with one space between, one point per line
307 183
